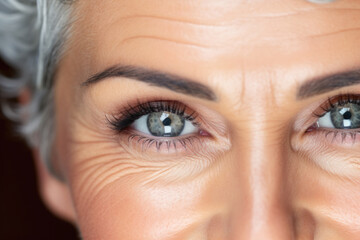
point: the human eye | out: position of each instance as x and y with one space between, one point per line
339 117
344 114
162 123
159 125
331 134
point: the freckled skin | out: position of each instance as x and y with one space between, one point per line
262 177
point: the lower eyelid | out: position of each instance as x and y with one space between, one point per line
343 138
204 135
155 148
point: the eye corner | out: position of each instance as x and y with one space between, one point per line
312 128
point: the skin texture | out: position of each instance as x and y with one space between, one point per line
257 173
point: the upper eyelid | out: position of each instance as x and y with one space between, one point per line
337 99
332 102
308 116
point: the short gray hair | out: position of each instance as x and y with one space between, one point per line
32 37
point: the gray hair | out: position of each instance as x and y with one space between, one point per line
32 37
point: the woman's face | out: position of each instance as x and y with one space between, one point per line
211 119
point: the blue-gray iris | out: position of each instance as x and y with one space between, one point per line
346 116
165 124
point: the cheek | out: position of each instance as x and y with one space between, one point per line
340 208
132 210
332 201
118 196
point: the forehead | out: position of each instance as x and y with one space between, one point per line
198 38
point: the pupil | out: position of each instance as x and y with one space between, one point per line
167 121
347 115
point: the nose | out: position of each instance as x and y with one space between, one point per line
262 189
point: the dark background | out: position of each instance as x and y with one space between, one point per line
22 213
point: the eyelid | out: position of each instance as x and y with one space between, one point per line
324 126
211 139
340 99
306 120
132 123
324 117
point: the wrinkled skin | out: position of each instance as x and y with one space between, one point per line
257 173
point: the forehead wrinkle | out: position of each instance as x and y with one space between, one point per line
215 22
224 32
219 11
340 23
175 20
349 30
232 21
178 42
195 35
138 8
205 25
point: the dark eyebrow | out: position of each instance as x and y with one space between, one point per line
328 83
155 78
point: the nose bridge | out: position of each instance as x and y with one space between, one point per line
267 213
270 215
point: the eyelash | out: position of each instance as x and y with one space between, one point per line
326 107
121 122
